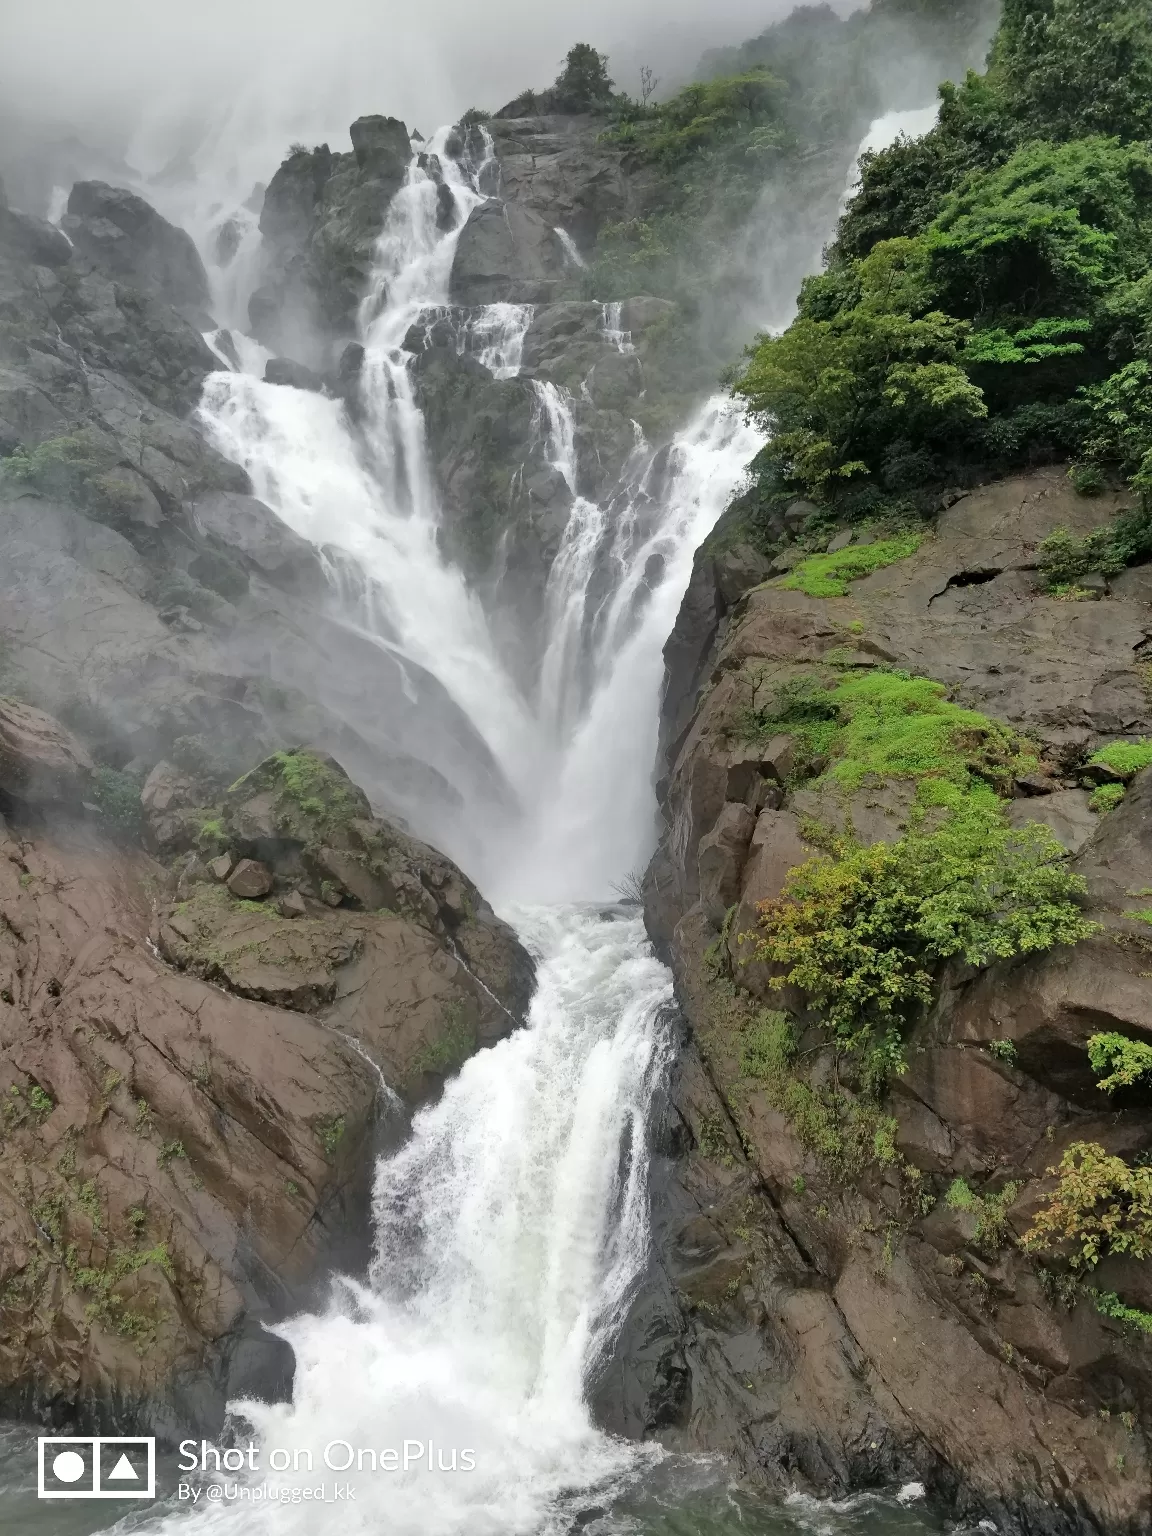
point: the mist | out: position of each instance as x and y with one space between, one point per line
238 80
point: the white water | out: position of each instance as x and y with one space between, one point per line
512 1227
571 250
912 123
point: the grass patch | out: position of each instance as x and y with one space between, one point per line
1124 757
330 1133
1105 798
830 575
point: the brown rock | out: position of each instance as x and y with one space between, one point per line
250 880
722 856
220 868
40 761
292 905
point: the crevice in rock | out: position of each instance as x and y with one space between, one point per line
973 578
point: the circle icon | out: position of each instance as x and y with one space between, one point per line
68 1467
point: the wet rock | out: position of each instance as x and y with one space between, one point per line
220 868
381 146
125 236
40 761
1065 811
282 370
250 880
292 905
506 253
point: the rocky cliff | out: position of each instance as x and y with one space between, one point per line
202 1043
848 1290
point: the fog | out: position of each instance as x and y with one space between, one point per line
146 83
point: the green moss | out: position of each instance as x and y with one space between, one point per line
1124 1061
314 799
330 1132
452 1047
1124 757
830 575
1105 798
171 1151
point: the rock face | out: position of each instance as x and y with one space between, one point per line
187 1147
123 234
39 760
321 217
791 1312
506 253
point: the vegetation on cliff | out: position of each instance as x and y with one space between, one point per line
987 302
863 930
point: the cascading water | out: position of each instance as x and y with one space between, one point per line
512 1226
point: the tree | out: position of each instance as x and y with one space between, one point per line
583 84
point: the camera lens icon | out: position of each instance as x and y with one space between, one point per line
97 1467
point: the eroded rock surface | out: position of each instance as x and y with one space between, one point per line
831 1332
190 1080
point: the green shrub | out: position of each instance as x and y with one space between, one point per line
1105 798
1125 1061
990 1211
117 796
1003 1050
1100 1206
863 931
1108 1304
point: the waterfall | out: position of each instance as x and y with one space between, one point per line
612 324
511 1228
570 249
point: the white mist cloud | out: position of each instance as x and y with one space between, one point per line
148 79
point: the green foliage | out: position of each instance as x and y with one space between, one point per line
990 1211
741 110
583 84
1125 1061
1108 1304
1105 798
40 1103
829 575
863 931
1063 558
1021 226
330 1133
1003 1050
1126 758
117 796
1100 1206
846 1133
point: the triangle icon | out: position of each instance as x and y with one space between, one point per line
124 1469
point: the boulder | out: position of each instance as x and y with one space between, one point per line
40 761
282 370
125 236
381 146
505 253
721 859
250 880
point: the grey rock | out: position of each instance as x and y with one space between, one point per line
282 370
506 252
220 868
125 236
250 880
840 540
1065 812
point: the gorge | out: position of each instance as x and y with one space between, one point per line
423 681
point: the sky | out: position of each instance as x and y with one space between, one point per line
145 75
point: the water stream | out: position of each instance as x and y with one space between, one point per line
512 1226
